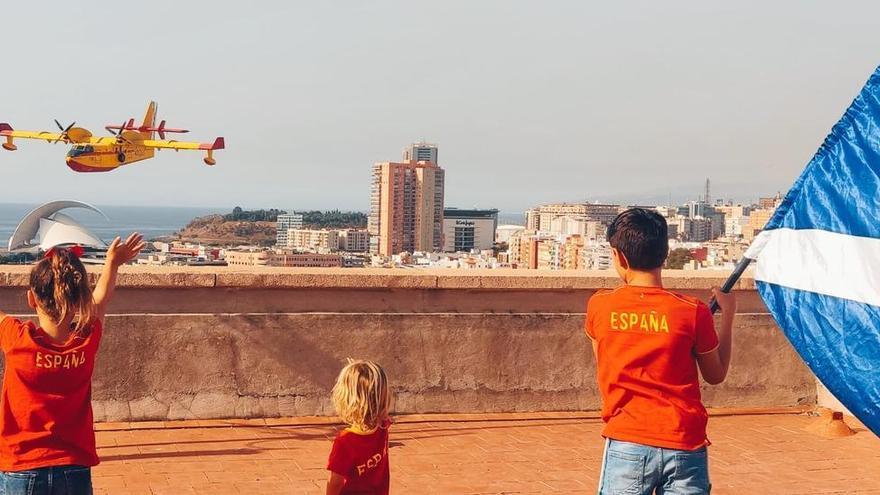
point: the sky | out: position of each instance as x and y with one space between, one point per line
530 102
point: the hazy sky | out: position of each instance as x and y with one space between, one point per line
529 101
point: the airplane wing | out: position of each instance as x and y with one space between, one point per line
218 144
72 134
45 136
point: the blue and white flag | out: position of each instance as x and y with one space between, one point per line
818 260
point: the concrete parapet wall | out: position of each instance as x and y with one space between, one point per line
215 343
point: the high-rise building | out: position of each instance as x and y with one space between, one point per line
421 152
466 230
406 207
284 223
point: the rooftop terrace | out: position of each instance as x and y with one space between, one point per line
187 347
478 454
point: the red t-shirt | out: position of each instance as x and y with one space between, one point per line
362 459
46 398
648 339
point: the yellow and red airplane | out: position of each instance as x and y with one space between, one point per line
102 154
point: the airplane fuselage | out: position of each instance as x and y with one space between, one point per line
129 143
104 158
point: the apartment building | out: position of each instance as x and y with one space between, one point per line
406 206
313 240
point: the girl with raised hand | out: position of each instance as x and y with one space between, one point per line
47 437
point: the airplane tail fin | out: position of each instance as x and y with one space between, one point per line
150 120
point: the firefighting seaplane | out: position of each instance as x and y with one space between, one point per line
128 144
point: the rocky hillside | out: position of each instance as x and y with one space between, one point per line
257 227
215 230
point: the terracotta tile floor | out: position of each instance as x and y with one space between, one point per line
752 454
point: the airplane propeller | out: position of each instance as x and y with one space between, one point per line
64 132
119 137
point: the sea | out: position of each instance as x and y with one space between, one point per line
121 221
511 218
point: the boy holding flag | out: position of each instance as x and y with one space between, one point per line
649 343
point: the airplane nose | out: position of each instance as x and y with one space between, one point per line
73 165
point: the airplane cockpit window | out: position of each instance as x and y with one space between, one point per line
79 149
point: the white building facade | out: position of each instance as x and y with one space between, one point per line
468 230
285 223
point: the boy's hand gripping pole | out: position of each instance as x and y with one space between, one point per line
731 281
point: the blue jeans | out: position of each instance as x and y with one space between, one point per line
632 468
55 480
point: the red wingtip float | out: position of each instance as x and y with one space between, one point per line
218 144
130 143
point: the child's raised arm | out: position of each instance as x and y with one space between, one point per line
118 254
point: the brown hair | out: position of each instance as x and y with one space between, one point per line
642 236
61 286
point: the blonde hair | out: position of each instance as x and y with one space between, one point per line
361 396
61 286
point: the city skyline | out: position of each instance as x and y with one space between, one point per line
564 101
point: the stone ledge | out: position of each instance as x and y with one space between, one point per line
371 278
420 418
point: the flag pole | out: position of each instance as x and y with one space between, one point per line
731 281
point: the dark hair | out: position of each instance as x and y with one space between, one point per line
641 235
61 286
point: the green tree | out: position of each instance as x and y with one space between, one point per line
240 215
334 219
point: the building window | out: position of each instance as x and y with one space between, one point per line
464 239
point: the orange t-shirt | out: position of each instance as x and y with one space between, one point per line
45 406
647 342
